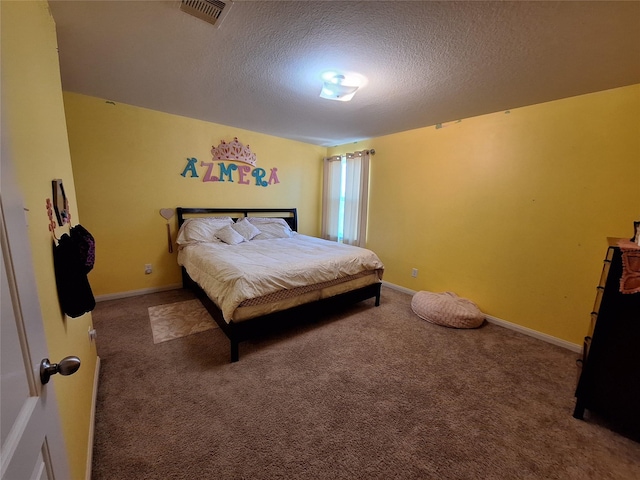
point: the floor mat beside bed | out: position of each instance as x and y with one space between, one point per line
179 319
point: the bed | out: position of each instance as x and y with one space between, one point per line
252 283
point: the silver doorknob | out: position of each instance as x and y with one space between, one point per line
67 366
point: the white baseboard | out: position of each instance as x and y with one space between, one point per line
535 334
393 286
92 420
135 293
511 326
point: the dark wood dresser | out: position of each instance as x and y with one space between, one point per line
609 383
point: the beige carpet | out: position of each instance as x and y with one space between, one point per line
176 320
366 393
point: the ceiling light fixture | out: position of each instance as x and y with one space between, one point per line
334 89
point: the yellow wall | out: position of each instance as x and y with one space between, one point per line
511 209
127 162
32 101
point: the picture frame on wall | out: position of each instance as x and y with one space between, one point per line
60 202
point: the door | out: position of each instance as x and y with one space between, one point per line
31 445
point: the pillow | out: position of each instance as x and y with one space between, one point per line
229 235
197 230
246 229
271 227
259 221
273 230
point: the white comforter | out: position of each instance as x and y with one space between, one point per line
230 274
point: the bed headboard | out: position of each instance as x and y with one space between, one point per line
290 215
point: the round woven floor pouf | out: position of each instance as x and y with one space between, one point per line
447 309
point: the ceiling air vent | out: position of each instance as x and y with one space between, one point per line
212 11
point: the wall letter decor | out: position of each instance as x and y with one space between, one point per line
231 152
191 167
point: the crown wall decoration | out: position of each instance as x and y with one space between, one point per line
234 151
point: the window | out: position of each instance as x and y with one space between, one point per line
345 198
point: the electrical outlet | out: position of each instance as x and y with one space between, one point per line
414 272
148 269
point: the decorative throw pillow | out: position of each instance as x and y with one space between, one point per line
229 235
246 229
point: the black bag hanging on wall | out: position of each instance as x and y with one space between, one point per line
86 246
73 259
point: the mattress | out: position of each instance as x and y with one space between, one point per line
262 276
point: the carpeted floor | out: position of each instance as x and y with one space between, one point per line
369 393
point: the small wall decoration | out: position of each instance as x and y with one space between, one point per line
167 213
52 222
60 203
234 151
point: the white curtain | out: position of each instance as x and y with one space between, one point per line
332 183
346 196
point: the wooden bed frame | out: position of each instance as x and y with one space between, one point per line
240 331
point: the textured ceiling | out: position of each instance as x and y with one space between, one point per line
425 62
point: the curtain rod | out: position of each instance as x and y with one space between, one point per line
337 157
371 151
